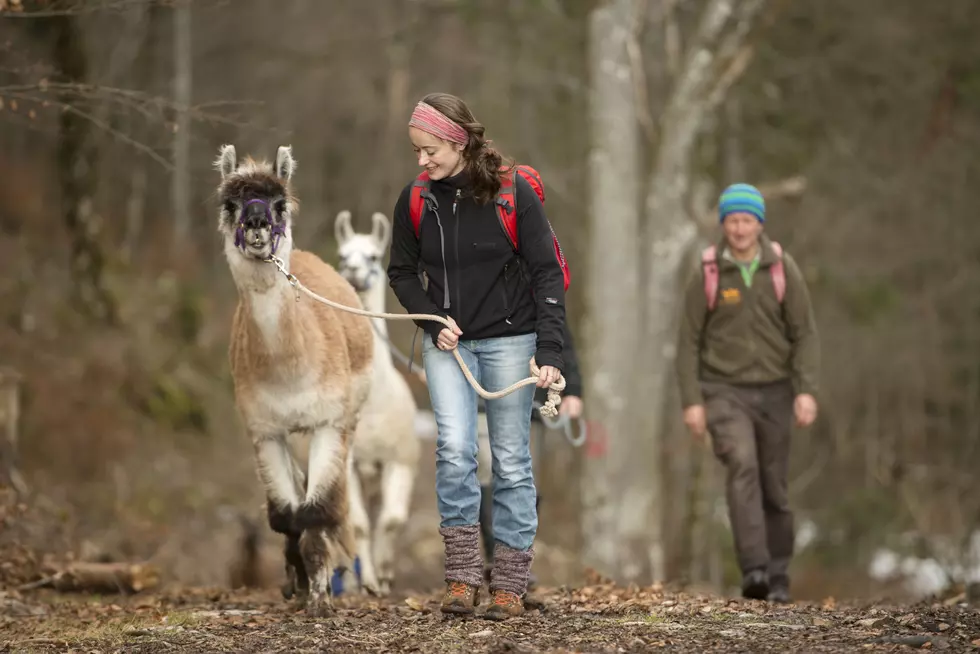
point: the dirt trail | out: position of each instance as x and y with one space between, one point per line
598 618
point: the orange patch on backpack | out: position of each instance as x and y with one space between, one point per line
730 296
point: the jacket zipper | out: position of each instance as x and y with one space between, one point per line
456 248
503 294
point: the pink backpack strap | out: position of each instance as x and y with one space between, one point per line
778 272
709 262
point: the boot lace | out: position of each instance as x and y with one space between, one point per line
505 598
458 589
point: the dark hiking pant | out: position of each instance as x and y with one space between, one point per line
750 429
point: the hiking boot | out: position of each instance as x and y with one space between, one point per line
505 605
755 585
779 590
460 598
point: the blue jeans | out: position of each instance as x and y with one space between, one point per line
496 363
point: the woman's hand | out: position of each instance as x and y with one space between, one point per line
449 338
547 376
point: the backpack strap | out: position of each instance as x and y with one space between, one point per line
532 177
778 272
709 263
506 203
420 196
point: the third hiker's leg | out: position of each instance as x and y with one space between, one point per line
734 443
774 424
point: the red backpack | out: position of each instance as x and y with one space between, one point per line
709 261
506 203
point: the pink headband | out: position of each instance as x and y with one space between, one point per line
432 121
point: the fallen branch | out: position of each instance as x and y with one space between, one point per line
91 577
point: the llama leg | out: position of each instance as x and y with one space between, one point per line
327 541
396 498
283 480
362 531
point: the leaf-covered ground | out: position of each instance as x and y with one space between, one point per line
597 618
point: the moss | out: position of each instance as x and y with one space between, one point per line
189 313
172 404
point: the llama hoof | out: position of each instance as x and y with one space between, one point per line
319 608
294 585
371 587
288 587
385 587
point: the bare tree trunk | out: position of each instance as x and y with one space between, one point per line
670 229
615 514
10 381
77 156
135 210
181 182
399 77
125 52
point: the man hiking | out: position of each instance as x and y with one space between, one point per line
747 362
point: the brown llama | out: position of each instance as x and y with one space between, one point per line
301 370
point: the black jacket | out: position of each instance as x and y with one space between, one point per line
572 372
473 274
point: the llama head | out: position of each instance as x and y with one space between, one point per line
257 205
361 254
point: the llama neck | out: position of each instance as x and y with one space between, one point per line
373 299
266 293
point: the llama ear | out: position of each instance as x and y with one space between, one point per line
227 160
285 164
381 229
341 227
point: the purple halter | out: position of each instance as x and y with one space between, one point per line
278 230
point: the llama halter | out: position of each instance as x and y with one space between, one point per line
432 121
278 230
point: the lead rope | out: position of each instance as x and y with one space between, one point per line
548 409
561 423
564 424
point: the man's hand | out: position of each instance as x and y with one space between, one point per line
571 406
695 420
805 409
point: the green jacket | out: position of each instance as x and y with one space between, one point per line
748 337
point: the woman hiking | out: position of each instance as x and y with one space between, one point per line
505 307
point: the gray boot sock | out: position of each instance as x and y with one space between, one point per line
511 569
463 560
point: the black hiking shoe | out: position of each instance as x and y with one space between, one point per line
779 590
755 585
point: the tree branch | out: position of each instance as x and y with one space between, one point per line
633 51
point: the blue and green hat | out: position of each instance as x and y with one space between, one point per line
742 197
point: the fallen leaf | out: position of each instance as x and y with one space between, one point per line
414 604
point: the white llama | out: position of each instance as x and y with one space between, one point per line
386 447
300 369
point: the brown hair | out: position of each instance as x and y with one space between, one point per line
483 163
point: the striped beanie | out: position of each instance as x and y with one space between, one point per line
742 197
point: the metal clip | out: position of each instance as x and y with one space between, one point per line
290 277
